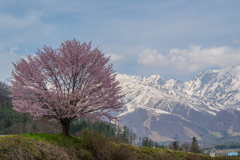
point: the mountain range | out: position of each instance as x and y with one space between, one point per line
207 106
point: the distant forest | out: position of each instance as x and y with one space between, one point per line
225 146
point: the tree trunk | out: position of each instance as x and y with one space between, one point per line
65 127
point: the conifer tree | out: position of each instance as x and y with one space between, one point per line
194 146
4 89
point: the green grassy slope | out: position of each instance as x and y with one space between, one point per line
89 145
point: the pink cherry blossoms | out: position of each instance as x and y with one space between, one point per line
67 83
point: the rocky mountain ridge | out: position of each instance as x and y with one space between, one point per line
221 86
175 110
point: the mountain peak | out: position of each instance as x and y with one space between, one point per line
8 81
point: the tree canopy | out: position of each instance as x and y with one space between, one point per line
66 83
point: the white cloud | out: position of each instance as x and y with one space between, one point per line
26 58
114 57
192 59
152 58
14 48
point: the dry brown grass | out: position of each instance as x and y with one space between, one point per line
89 146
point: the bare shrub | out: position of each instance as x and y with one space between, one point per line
41 126
97 144
18 128
174 145
77 134
123 151
185 146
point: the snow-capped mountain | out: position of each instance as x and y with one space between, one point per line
171 109
8 81
150 94
218 86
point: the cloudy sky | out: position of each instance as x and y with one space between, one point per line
177 38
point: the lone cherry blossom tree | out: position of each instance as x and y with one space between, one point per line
66 83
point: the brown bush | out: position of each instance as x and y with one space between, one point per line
123 152
77 134
97 144
103 148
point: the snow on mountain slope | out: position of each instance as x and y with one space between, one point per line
174 83
216 89
148 93
218 86
170 109
8 81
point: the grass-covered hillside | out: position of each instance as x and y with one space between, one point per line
89 145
